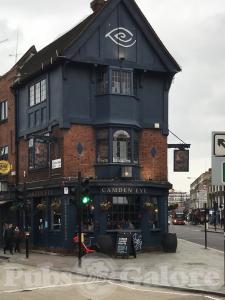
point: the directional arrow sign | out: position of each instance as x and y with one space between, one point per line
219 144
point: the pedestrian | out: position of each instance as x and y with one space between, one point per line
17 239
8 239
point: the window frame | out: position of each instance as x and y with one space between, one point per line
105 81
32 155
118 148
5 155
40 88
56 226
3 110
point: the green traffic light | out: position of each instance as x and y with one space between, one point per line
86 200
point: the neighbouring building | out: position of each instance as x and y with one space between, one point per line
178 198
7 139
200 191
96 101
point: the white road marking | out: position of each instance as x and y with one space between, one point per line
162 292
51 286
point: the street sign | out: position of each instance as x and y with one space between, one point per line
219 143
223 172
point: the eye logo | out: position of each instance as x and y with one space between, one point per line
122 36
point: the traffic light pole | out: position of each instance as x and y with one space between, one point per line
26 216
206 244
79 214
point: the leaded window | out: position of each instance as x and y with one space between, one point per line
102 146
124 212
121 147
4 151
56 214
38 92
121 82
3 110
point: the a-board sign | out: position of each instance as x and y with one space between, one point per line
125 245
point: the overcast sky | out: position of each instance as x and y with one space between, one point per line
192 30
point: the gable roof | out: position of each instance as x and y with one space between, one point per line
55 50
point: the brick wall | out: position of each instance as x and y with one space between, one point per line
72 161
154 168
7 128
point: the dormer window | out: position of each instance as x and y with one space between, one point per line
38 92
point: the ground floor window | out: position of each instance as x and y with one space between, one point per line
88 217
124 212
41 214
56 214
151 204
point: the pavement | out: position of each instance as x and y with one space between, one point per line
191 268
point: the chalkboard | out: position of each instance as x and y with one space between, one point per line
125 245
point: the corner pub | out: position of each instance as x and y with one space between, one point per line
95 101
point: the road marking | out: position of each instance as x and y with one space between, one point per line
202 245
51 286
162 292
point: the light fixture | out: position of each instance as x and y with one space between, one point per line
126 171
156 125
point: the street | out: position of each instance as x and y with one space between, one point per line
77 287
195 234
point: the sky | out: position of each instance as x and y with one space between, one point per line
192 30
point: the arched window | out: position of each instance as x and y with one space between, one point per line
121 147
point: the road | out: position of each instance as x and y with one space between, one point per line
22 282
195 234
114 292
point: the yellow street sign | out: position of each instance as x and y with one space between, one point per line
5 167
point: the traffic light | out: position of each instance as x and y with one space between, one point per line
73 192
85 191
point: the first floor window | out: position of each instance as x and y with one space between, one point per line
102 145
3 110
4 151
56 214
121 147
38 92
38 154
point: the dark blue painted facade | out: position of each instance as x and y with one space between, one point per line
73 97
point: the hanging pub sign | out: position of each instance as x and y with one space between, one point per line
181 160
5 167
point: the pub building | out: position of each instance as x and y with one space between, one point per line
95 101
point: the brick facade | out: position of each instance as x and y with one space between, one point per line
153 168
72 161
7 127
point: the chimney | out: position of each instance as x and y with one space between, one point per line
97 4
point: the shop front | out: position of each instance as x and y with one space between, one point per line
140 209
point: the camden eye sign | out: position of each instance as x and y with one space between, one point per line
123 190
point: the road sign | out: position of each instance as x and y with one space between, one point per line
219 143
223 172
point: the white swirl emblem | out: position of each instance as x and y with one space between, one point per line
122 36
